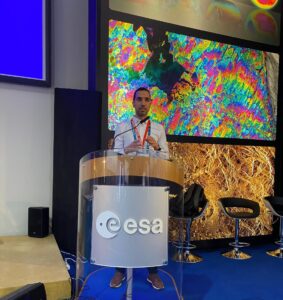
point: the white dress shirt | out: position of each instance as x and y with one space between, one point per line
156 131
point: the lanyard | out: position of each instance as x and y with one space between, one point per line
136 133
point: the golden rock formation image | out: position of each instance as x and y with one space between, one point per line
226 171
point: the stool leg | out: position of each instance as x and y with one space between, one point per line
281 231
179 255
278 252
189 257
188 232
237 226
236 253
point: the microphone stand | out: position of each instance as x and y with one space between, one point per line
139 123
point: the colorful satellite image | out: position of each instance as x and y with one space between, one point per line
199 87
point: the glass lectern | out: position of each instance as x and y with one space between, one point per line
124 203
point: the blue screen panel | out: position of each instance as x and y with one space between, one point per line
22 32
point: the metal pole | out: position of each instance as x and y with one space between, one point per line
129 284
237 232
281 231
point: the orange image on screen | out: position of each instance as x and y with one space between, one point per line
265 4
226 171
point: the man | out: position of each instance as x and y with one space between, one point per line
147 135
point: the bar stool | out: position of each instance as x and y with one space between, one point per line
194 208
275 205
227 204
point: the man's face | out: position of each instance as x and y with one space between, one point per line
142 103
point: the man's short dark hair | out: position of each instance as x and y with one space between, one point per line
140 89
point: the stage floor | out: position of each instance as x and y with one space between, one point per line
25 260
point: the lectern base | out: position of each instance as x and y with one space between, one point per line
97 286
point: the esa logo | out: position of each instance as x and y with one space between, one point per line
108 225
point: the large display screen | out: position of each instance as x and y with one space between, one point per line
199 87
24 41
227 171
253 20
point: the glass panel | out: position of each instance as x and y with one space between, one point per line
124 207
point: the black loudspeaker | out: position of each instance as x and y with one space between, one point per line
38 221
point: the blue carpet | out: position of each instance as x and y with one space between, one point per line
259 278
216 278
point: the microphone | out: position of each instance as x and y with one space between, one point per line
139 123
142 121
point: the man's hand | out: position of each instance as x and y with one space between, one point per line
152 142
135 145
